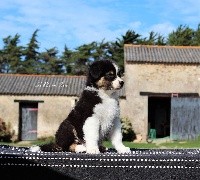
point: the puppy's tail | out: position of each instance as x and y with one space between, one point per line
50 147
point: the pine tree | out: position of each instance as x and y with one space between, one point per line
82 57
11 54
50 63
67 60
161 40
196 39
183 36
117 48
101 51
153 39
1 62
30 63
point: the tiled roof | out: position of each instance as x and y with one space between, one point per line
162 54
53 85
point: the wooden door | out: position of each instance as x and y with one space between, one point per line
28 122
185 118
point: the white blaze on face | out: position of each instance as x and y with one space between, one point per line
116 84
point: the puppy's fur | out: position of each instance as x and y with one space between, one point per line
95 116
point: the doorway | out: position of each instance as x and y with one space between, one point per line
159 115
28 121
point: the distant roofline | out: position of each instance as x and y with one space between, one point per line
43 75
155 54
162 46
47 85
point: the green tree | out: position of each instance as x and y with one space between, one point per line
1 62
30 64
50 63
153 39
161 40
67 60
117 48
196 39
11 54
129 38
182 36
82 57
101 50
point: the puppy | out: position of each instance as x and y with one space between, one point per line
95 116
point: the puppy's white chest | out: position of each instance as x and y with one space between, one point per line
106 112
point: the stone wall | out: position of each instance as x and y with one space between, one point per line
157 78
51 112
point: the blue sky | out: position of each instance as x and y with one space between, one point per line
78 22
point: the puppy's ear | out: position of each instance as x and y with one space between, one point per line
95 71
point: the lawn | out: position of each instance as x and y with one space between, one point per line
167 145
156 144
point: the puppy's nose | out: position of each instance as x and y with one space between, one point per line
121 83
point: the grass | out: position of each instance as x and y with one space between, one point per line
29 143
133 145
182 144
156 144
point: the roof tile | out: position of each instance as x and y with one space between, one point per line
162 54
53 85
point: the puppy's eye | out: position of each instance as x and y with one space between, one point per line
110 76
120 73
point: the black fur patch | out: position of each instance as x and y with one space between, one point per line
76 119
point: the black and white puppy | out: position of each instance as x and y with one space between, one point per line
95 116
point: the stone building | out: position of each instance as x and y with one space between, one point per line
156 78
35 105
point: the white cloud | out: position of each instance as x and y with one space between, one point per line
163 28
60 21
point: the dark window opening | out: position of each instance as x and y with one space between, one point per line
159 115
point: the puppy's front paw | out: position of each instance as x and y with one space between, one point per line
92 151
80 148
35 149
124 150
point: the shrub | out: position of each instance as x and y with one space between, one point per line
127 131
6 133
